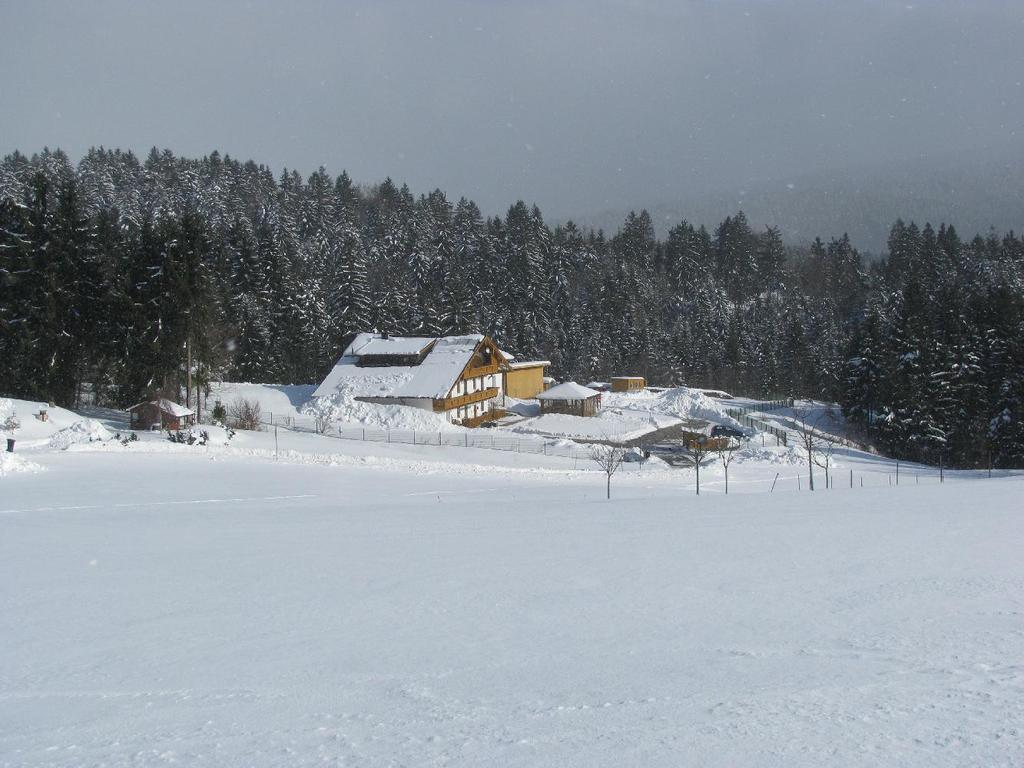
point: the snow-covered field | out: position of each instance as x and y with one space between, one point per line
369 604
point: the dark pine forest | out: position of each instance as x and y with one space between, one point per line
115 271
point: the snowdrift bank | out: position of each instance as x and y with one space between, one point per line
343 408
84 431
680 402
691 404
11 464
30 430
792 455
616 424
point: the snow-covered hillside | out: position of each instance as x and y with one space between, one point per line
376 604
275 400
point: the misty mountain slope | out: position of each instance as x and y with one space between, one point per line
862 202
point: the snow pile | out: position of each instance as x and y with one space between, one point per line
792 455
11 463
613 424
203 435
342 408
279 401
691 404
33 431
84 431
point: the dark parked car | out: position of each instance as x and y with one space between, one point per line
720 430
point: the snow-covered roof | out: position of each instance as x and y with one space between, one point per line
169 407
529 364
570 390
432 378
627 378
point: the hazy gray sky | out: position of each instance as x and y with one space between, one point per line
578 105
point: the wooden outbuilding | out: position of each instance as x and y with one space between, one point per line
161 414
628 383
525 380
571 398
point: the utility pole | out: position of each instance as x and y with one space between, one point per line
188 365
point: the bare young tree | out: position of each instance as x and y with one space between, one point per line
245 414
806 427
826 447
699 449
609 458
726 453
321 423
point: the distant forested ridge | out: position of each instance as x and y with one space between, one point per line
113 271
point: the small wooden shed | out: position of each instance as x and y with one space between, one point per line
628 383
161 414
571 398
525 380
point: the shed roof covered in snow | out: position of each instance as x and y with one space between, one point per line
520 365
169 407
570 390
432 376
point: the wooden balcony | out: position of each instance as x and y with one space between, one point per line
482 370
449 403
487 416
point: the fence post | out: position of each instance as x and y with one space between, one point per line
275 442
364 434
897 473
851 478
